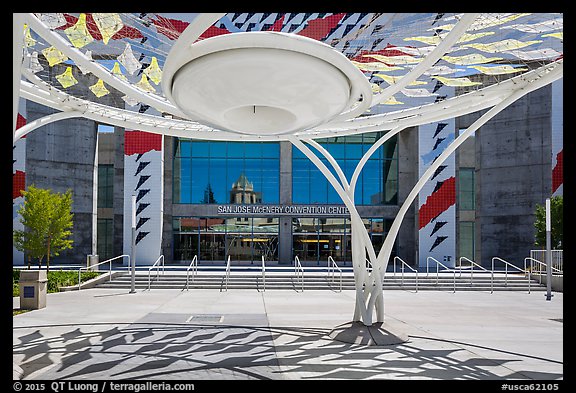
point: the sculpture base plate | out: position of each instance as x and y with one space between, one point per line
377 334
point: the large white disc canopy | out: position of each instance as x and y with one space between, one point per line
265 83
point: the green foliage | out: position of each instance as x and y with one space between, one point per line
56 279
557 223
47 218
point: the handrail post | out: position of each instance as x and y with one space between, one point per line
298 268
332 266
193 265
227 272
528 275
492 282
263 274
100 263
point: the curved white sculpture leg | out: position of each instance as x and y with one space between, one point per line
369 296
368 278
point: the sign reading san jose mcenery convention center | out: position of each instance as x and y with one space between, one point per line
279 210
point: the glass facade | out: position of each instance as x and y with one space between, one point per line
214 238
105 185
220 172
466 192
377 183
315 239
250 238
466 239
248 173
105 238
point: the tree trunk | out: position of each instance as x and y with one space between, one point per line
48 257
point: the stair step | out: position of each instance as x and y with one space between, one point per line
319 281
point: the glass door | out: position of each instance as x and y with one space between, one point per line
265 240
212 239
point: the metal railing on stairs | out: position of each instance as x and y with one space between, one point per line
263 275
438 263
101 263
402 274
541 269
332 267
506 264
227 274
472 265
299 272
156 266
556 256
194 267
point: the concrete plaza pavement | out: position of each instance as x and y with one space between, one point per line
202 334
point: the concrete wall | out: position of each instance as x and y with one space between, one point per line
513 174
60 156
406 242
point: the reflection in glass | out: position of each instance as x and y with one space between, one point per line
205 172
213 239
315 239
376 185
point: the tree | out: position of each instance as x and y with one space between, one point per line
208 195
556 223
47 220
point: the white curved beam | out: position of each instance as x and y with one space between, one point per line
368 154
17 46
440 50
385 251
332 162
31 126
79 58
366 291
476 97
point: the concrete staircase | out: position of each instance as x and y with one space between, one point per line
318 279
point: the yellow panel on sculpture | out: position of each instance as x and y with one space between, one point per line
66 78
78 34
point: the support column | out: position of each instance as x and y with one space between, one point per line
143 176
17 51
285 247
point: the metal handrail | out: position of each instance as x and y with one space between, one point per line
227 275
263 275
409 267
332 269
541 264
444 266
157 267
194 266
298 269
556 255
472 271
506 264
106 261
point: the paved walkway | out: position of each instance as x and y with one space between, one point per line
110 334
